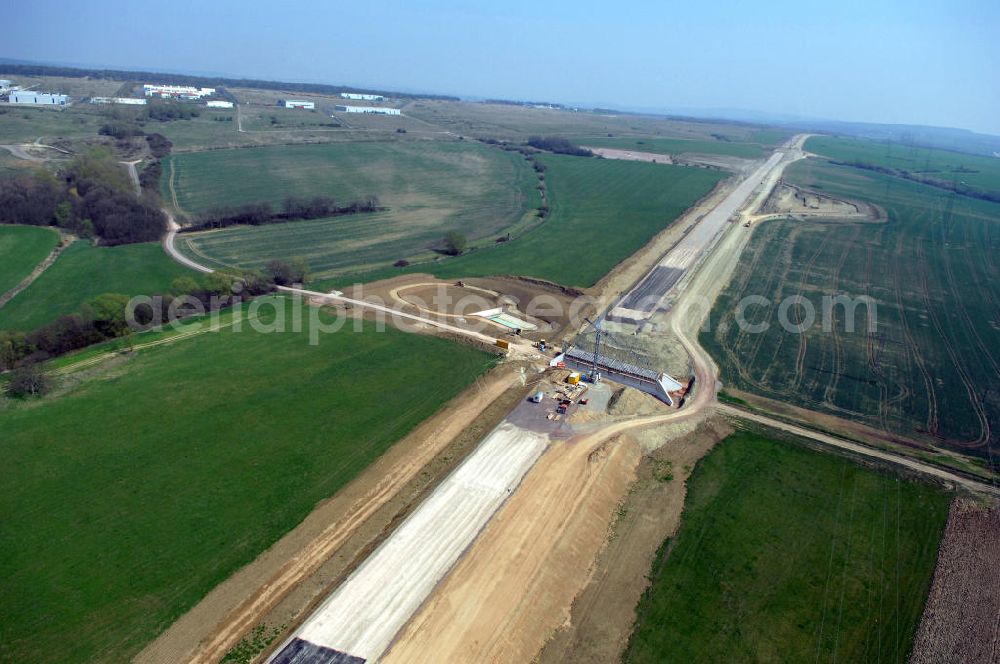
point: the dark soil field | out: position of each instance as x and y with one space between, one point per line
929 368
962 619
786 554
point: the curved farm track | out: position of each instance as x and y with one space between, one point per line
64 242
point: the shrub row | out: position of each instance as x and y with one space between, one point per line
293 209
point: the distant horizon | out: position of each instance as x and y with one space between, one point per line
740 115
898 62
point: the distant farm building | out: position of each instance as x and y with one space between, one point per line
295 103
38 98
357 96
128 101
219 104
376 110
176 91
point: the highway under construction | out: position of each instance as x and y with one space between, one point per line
477 570
361 620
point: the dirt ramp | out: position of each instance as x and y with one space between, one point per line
516 584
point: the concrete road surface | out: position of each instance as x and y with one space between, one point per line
360 619
646 297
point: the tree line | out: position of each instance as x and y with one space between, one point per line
558 145
125 123
110 316
149 178
91 196
959 188
293 209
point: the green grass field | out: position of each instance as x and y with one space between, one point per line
602 211
790 555
675 146
81 273
25 124
929 369
428 187
769 137
977 171
517 123
129 498
21 249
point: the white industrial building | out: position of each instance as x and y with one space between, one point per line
38 98
219 104
296 103
128 101
5 84
180 91
376 110
357 96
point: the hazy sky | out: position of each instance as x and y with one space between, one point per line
899 61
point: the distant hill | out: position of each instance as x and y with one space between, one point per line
959 140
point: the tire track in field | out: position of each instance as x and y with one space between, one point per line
970 388
173 190
876 346
800 359
743 366
773 286
912 347
966 318
871 348
838 351
46 263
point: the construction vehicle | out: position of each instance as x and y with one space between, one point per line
573 378
541 345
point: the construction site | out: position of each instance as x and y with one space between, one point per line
579 389
416 345
490 532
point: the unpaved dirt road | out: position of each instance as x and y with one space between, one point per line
517 348
133 175
23 151
168 246
870 452
46 263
